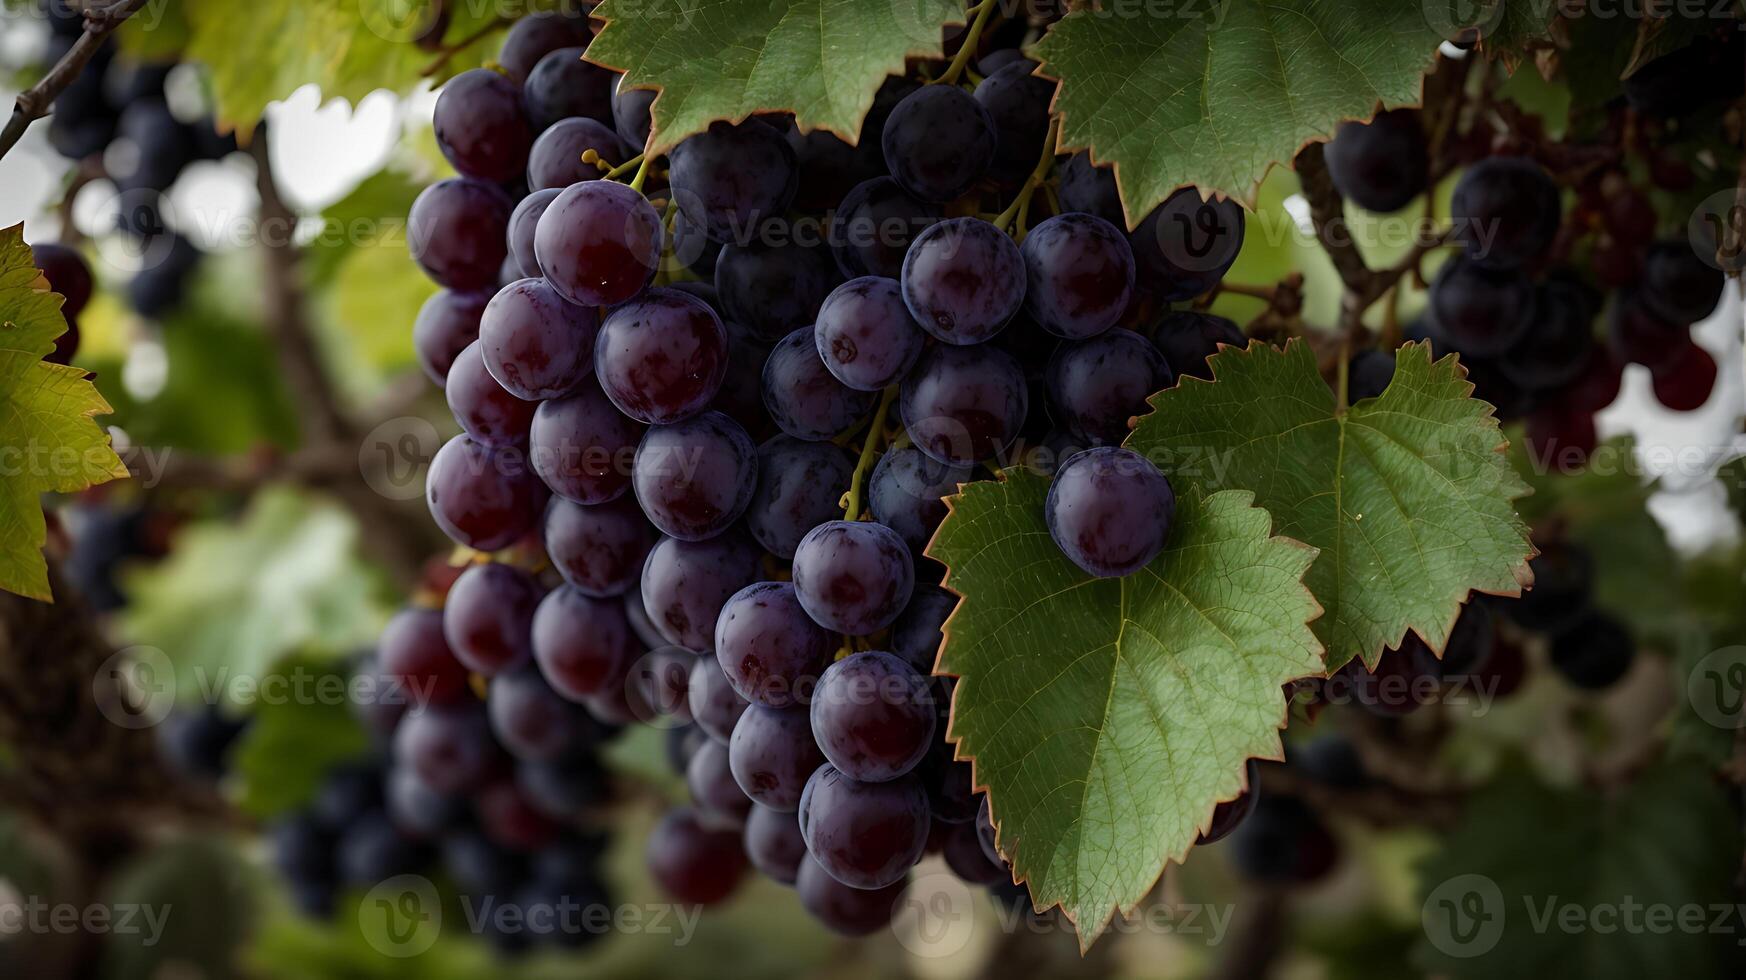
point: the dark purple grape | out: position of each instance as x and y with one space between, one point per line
600 548
865 335
1638 335
1109 511
1556 348
556 158
772 754
641 625
773 843
565 788
662 356
865 835
458 232
801 395
696 477
197 744
872 229
963 279
1677 284
692 250
1080 272
537 35
732 177
963 405
481 126
488 618
1471 641
1097 385
487 412
1506 211
694 862
1594 652
1685 381
1481 310
537 344
830 168
417 810
665 677
799 486
844 910
449 747
582 447
1229 814
1018 106
532 721
685 585
479 865
713 787
447 323
715 705
853 577
562 86
510 819
1381 165
630 113
964 855
599 243
1090 189
1563 586
414 651
371 850
483 498
770 650
1369 375
1283 842
916 636
938 141
773 287
1187 244
583 645
523 223
951 786
905 494
67 274
872 716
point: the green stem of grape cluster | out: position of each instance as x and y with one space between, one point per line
979 15
852 499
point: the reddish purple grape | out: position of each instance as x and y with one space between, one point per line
458 232
481 126
67 274
1109 511
1637 334
1230 813
1080 272
963 405
537 344
799 486
873 716
865 335
583 645
537 35
938 141
873 227
1684 382
662 356
488 618
715 705
685 585
731 177
414 651
532 721
562 86
582 447
600 548
772 754
1095 386
555 162
769 649
773 843
487 412
599 243
449 747
853 577
714 789
695 478
483 498
802 396
963 279
844 910
446 324
694 862
865 835
524 221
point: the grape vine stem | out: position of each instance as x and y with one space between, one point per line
448 51
35 102
979 15
1021 204
869 452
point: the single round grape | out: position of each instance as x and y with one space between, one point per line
417 810
696 477
555 162
843 910
731 177
537 344
600 548
67 274
951 786
582 447
1677 284
872 229
872 716
664 675
1684 382
853 577
963 279
483 498
1080 271
1506 211
963 854
906 494
714 703
830 167
773 288
1109 511
449 746
1186 245
772 754
917 634
686 583
963 405
583 645
488 618
532 721
741 397
414 651
371 850
599 243
694 862
1594 652
662 356
802 396
799 485
537 35
693 250
1369 375
1095 386
484 409
714 789
865 335
1229 814
447 323
567 787
1471 642
938 141
481 126
458 232
773 843
1481 310
1637 334
771 651
1018 106
562 86
1091 189
865 835
524 221
1283 842
630 113
1556 348
1381 165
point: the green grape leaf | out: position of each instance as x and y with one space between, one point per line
264 50
49 442
234 598
1408 496
1542 883
299 730
1107 717
1213 95
726 59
